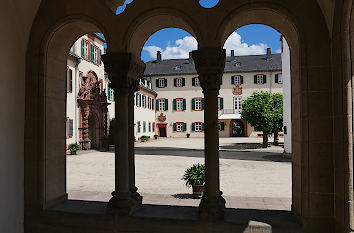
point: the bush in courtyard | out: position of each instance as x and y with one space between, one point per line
194 175
73 148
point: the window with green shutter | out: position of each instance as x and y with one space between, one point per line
108 92
221 103
202 103
70 80
184 127
193 82
153 127
232 80
165 82
166 104
255 79
144 126
82 47
91 52
264 78
174 104
183 82
241 79
175 82
149 126
174 127
71 127
137 99
184 104
193 127
193 104
139 127
276 78
100 56
221 126
203 126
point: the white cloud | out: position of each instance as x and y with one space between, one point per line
182 47
278 51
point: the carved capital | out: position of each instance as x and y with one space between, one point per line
122 68
133 86
210 64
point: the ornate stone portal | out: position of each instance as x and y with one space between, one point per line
92 102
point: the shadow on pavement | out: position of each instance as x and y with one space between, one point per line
185 196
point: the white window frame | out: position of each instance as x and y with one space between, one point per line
95 56
237 80
238 103
179 82
86 49
179 126
219 126
179 105
196 82
161 104
199 101
198 126
161 82
260 79
280 78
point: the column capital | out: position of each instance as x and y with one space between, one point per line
124 70
210 64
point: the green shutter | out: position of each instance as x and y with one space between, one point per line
255 79
183 82
165 82
264 78
184 127
152 104
174 104
71 128
193 82
203 127
276 78
174 127
175 82
109 92
241 79
221 103
184 104
193 127
157 82
153 127
70 80
100 56
232 80
91 52
138 126
166 104
193 104
222 125
144 126
202 103
149 126
136 99
157 105
82 47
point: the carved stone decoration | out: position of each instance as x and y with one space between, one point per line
92 102
210 64
237 90
161 118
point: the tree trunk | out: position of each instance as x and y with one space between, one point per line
265 139
276 138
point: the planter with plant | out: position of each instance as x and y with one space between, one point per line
155 136
188 135
73 148
195 177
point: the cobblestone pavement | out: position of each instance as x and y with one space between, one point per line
249 178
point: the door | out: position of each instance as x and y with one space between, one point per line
162 131
238 129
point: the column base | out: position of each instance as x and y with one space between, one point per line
136 196
121 204
212 208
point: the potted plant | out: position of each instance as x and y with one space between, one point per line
155 136
195 177
73 148
188 135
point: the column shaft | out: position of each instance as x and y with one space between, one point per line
131 151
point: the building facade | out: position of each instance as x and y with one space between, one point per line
180 103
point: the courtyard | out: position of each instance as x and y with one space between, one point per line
251 177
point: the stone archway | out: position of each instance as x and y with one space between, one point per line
93 105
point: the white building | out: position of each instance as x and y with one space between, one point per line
180 101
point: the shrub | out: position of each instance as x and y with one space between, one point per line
73 147
195 175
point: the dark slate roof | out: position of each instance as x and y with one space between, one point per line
251 63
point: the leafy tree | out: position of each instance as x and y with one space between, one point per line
264 112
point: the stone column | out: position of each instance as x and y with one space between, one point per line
210 63
122 69
134 87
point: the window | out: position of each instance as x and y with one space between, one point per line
196 82
238 103
143 100
179 127
221 126
162 104
197 127
179 82
95 54
71 128
110 93
137 99
237 80
152 104
85 49
198 104
260 79
161 82
139 127
144 127
278 78
69 80
220 103
149 126
153 127
179 104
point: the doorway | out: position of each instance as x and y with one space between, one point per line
92 131
162 130
238 129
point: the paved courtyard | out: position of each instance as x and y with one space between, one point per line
253 178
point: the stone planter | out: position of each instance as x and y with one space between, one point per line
198 190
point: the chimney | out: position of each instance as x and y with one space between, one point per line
233 54
269 53
190 58
158 58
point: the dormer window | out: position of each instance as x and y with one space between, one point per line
177 67
238 64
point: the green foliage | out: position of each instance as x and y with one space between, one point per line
155 136
188 135
144 138
73 147
195 175
264 111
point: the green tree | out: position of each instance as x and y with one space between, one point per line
264 112
277 113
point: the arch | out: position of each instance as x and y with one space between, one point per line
46 107
258 14
149 23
